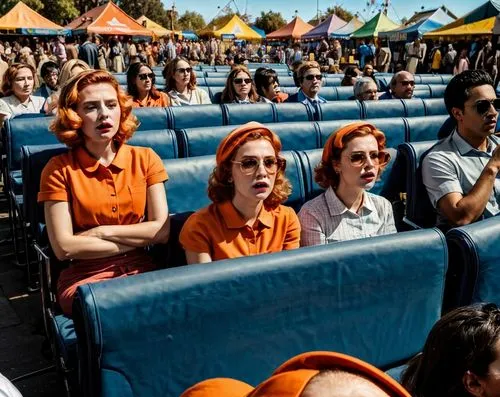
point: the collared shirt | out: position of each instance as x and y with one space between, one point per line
162 101
311 103
453 165
194 97
220 231
100 195
325 219
11 106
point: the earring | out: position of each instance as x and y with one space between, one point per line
230 180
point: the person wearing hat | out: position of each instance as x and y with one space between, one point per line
312 374
247 188
352 161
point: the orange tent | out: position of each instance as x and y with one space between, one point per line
294 30
108 19
23 19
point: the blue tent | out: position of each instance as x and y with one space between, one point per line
259 31
189 35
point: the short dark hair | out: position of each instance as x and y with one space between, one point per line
48 67
263 78
462 340
458 90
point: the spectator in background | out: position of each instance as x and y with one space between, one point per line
89 53
449 59
436 57
369 72
384 57
365 89
310 77
180 80
351 74
268 85
50 76
352 161
59 50
461 62
101 52
461 356
71 51
401 86
141 87
247 188
17 88
239 87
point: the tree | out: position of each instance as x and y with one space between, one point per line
153 9
60 11
270 21
341 12
190 20
7 5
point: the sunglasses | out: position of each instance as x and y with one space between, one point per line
184 70
406 83
251 165
359 159
240 81
483 105
144 76
311 77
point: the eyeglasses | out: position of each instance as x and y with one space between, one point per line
311 77
240 81
358 159
251 165
406 83
144 76
483 105
184 70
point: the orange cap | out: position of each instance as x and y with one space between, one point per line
335 140
218 387
232 141
290 379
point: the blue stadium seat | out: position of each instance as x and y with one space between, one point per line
162 141
435 107
137 335
386 108
437 90
200 81
201 141
286 81
424 128
215 94
152 118
289 90
235 113
341 110
344 93
331 81
431 79
414 107
121 78
195 116
330 93
215 81
422 91
292 112
446 78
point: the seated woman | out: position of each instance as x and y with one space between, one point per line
104 200
247 188
351 74
353 158
17 88
180 80
141 87
461 356
239 87
268 86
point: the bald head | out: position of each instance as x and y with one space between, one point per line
402 85
341 384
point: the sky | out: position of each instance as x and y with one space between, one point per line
307 8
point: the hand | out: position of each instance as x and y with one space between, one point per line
495 159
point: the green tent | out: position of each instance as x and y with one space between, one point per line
379 23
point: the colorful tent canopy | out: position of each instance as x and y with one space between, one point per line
346 31
108 19
235 28
156 28
427 22
293 31
483 27
259 31
323 30
379 23
24 20
489 9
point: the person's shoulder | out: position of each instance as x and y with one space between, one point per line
293 98
385 95
60 162
315 205
378 200
205 215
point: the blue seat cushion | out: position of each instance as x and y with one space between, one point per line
64 331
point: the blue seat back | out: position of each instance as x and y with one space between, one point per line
386 108
121 78
424 128
437 90
292 112
235 113
163 142
431 79
201 81
341 110
195 116
138 335
344 93
202 141
216 81
435 107
329 93
422 91
216 93
414 107
152 118
331 81
286 81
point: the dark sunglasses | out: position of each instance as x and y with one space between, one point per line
483 105
240 81
311 77
407 83
360 159
144 76
184 70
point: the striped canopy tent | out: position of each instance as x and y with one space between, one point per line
345 31
293 31
22 19
484 11
420 24
478 28
156 28
379 23
325 28
108 19
235 29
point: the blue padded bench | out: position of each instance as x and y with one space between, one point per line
474 274
195 116
152 118
386 108
424 128
216 93
235 113
341 110
155 334
292 112
434 107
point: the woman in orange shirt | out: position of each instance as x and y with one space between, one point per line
141 86
95 196
247 188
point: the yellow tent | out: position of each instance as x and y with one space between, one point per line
483 27
156 28
237 28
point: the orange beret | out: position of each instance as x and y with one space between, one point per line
235 138
335 140
218 387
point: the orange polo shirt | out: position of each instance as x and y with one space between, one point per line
161 102
99 195
220 231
